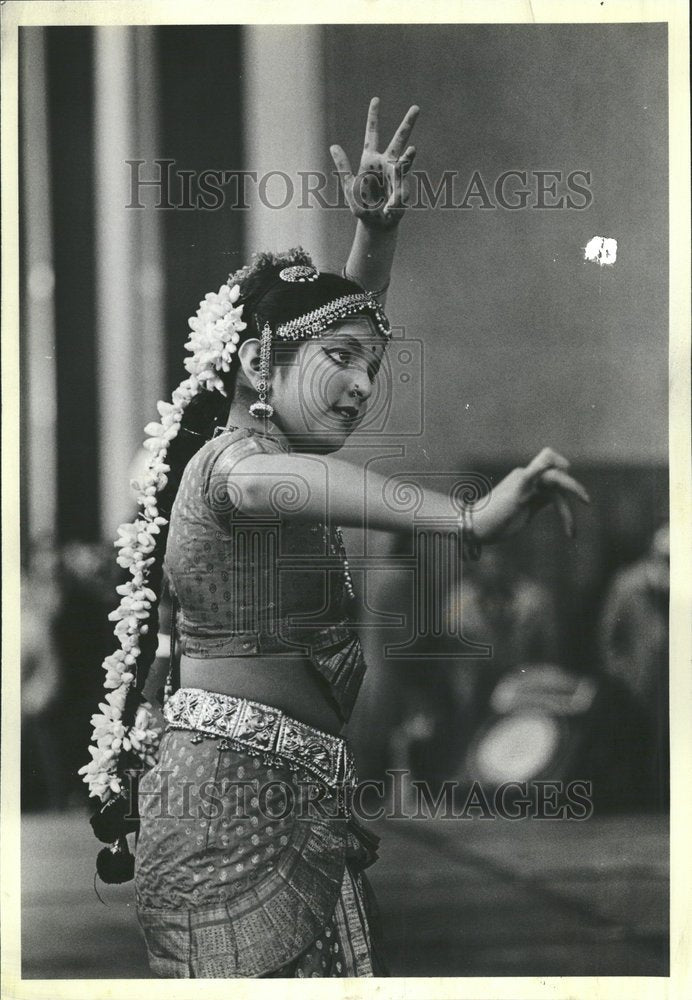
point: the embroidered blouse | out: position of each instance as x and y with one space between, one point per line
251 586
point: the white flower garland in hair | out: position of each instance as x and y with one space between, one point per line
215 334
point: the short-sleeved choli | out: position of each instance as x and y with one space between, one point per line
249 586
220 481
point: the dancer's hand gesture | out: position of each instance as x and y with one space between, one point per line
377 194
521 494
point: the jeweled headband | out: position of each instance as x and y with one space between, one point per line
315 322
311 324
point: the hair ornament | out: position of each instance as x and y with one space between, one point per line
215 332
214 338
316 321
299 272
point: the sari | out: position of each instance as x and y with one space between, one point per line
231 883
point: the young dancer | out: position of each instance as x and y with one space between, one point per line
249 861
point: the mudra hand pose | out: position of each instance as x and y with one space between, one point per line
238 872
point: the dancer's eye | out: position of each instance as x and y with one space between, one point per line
339 354
344 356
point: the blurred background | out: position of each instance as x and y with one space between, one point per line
515 342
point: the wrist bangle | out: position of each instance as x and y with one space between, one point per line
380 291
471 547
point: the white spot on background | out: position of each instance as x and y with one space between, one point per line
601 250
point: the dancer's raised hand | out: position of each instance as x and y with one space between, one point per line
378 192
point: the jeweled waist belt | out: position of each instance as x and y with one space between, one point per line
263 731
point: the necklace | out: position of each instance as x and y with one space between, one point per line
348 580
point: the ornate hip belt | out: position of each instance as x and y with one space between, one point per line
263 731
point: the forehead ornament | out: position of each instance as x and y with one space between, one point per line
315 322
299 272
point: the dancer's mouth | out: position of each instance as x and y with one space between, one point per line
350 415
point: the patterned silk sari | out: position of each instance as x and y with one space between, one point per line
244 871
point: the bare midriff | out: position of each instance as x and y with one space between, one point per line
289 683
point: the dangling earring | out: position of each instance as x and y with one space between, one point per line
262 409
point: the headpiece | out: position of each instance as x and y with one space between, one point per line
315 322
327 308
299 272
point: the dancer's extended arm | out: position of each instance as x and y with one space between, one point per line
322 485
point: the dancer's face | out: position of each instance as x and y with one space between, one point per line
320 392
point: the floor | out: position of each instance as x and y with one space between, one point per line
458 898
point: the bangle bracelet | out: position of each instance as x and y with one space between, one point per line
380 291
470 545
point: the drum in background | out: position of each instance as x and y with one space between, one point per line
545 723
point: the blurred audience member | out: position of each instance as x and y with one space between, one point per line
634 649
634 625
507 610
443 700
